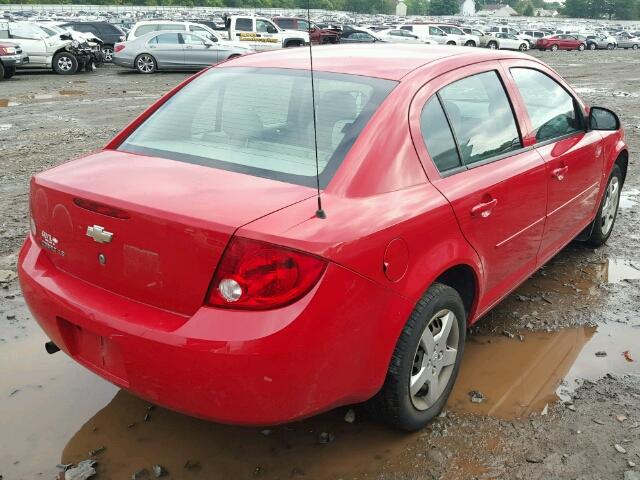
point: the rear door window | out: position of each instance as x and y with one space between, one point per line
553 112
144 29
481 117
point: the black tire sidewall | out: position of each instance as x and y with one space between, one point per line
1 71
74 61
597 237
9 72
438 297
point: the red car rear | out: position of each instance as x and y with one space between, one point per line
560 42
186 261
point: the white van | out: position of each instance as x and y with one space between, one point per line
431 32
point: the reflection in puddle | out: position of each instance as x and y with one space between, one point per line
5 102
521 377
71 92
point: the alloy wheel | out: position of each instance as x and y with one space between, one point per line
554 47
145 63
108 54
65 64
610 207
434 359
592 46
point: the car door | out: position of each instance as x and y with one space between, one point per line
437 35
572 154
32 42
197 52
168 50
495 185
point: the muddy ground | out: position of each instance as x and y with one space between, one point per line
553 408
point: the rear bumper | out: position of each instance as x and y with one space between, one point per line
122 62
331 348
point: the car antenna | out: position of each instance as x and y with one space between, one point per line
320 212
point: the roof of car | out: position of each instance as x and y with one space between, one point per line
389 61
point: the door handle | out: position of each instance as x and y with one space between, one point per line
188 47
559 173
484 209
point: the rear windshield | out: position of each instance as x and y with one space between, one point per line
259 121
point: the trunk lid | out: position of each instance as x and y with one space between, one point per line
179 218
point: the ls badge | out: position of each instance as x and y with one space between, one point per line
99 234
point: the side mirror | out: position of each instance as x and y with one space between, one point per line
208 43
213 39
603 119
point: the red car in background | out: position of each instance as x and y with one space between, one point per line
560 42
187 262
317 35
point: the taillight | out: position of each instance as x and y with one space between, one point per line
118 47
256 275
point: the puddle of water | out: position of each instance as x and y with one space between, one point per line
618 270
5 126
519 378
69 92
627 198
5 102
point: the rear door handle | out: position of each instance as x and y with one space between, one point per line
559 173
484 209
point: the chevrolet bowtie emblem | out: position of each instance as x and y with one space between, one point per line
99 234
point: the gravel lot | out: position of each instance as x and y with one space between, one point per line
553 408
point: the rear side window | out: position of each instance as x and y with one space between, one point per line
169 26
244 24
166 39
144 29
259 121
438 137
553 112
481 117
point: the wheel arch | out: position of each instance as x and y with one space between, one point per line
622 160
463 278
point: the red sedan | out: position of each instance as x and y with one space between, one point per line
186 262
560 42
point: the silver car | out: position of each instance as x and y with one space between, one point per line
174 50
627 41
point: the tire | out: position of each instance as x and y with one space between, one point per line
293 43
470 43
592 46
145 63
411 361
581 47
602 226
107 54
2 71
609 46
523 47
554 48
9 72
65 63
492 45
451 43
635 46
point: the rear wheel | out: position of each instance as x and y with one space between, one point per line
65 63
606 218
492 45
554 48
635 46
609 46
592 46
425 362
451 43
145 63
581 47
9 72
470 43
523 47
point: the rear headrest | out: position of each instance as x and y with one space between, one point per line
242 124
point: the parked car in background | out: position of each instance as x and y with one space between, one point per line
107 32
502 29
462 37
472 31
398 35
359 36
11 57
262 34
187 261
560 42
595 42
143 27
628 41
318 36
532 36
177 50
46 47
431 32
503 41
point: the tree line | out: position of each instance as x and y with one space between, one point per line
611 9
